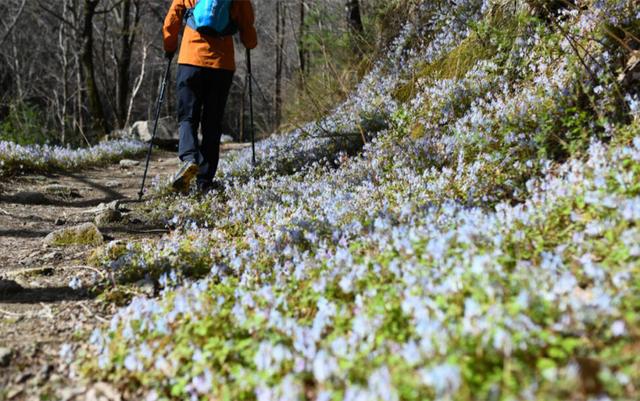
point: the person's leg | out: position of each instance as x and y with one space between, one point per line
214 103
190 91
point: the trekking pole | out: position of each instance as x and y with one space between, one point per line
155 125
253 139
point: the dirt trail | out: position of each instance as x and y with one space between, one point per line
39 311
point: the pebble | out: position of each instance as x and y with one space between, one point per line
126 163
113 184
107 216
146 287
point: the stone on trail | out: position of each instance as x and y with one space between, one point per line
5 356
115 205
126 163
85 234
167 133
107 216
113 184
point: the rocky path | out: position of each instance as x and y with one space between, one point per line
46 305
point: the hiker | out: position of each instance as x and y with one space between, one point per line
206 66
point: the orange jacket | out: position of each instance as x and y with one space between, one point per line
206 51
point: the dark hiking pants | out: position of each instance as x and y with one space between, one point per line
202 97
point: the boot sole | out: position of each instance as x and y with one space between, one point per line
182 183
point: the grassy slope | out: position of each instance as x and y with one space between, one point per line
483 245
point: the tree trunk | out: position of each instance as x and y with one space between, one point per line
302 50
354 17
127 40
280 32
63 43
96 110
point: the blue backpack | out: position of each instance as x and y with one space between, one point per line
212 18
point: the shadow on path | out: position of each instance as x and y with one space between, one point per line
37 198
24 233
45 295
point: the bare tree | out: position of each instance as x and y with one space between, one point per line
127 40
92 48
302 49
9 28
88 69
280 38
137 85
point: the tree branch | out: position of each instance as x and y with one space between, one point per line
13 23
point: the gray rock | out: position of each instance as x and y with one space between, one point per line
113 184
126 163
134 219
167 133
85 234
6 354
226 139
115 205
146 287
107 216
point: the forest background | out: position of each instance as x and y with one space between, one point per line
74 71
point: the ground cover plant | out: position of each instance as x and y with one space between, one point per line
466 235
15 158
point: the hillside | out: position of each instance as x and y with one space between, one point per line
464 226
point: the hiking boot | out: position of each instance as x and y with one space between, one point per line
184 176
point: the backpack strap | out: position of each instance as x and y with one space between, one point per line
188 18
231 29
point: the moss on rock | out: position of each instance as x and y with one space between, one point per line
85 234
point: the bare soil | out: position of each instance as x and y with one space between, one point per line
40 314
